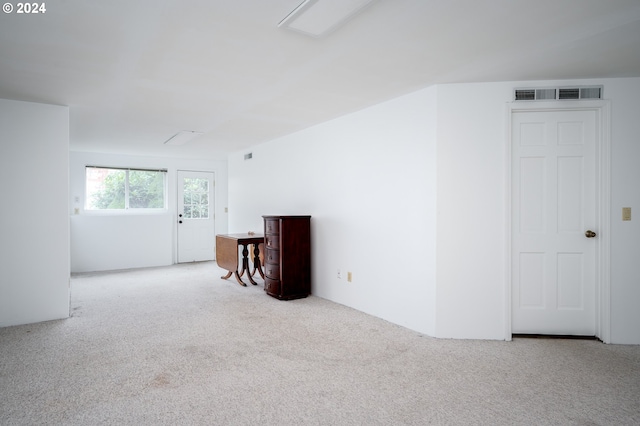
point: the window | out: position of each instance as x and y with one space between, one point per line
124 189
196 198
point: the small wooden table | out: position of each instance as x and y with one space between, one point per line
227 255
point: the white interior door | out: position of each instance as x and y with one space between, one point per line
196 219
553 206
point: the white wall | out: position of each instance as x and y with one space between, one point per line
471 206
34 225
410 195
108 241
625 192
368 181
471 210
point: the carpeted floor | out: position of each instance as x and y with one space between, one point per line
178 345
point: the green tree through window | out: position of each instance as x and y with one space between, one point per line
117 189
146 189
196 198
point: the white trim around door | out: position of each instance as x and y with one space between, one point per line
602 109
195 211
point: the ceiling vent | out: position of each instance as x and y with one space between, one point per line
558 93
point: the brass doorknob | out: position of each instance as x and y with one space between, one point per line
590 234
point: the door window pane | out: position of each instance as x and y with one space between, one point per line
196 198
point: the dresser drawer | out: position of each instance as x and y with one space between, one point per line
273 241
272 286
272 256
272 271
272 226
287 256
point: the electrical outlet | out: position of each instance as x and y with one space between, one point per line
349 276
339 274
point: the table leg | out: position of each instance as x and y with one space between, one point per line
245 263
256 261
227 276
245 267
239 279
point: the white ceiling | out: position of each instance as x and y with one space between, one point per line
136 72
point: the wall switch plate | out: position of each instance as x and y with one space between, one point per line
626 213
349 276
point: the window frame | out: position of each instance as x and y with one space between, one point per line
207 193
127 210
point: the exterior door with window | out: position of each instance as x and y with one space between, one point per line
554 239
196 219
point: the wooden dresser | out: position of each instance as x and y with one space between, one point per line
287 258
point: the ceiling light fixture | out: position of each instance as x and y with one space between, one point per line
182 137
319 17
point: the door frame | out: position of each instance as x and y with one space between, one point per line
602 108
177 202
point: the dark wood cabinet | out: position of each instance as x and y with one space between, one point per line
287 257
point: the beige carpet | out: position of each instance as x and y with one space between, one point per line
178 345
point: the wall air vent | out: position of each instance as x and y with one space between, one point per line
558 93
545 94
573 93
525 95
591 92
